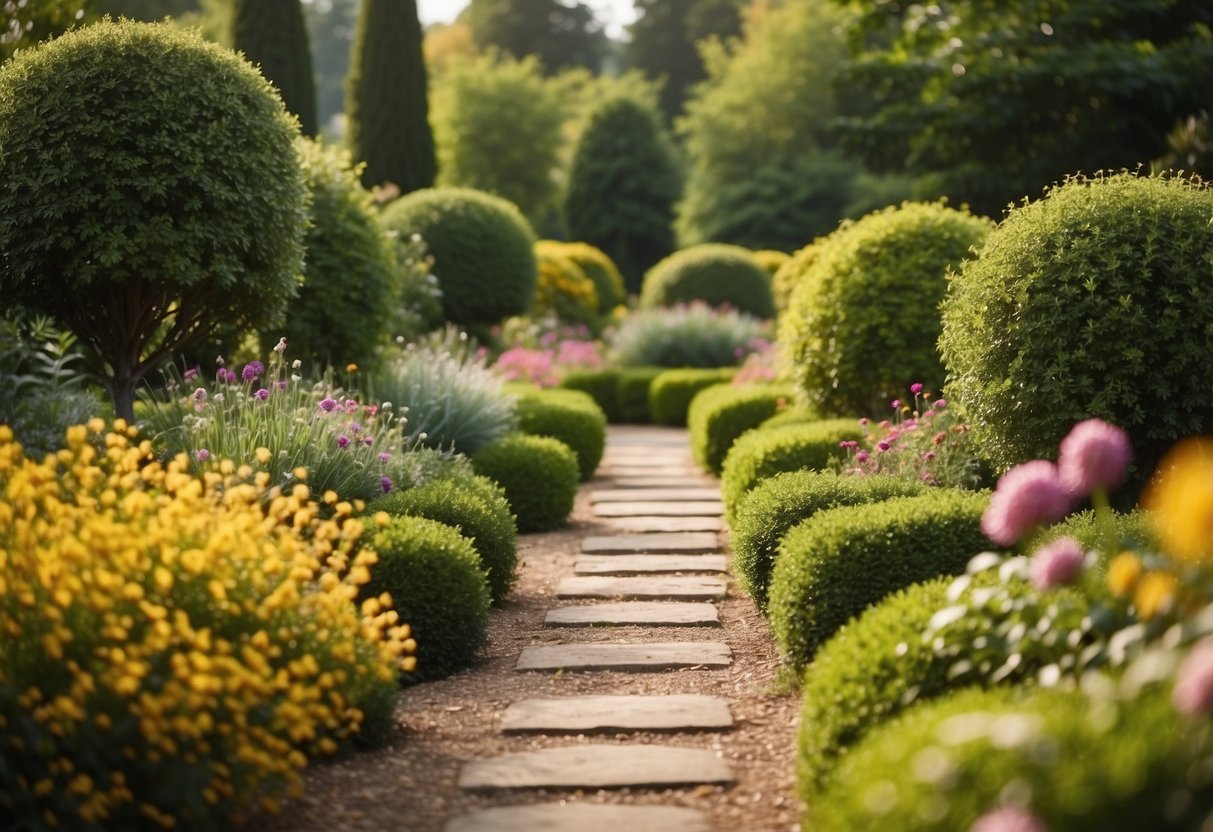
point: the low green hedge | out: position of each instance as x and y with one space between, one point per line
539 475
572 416
601 385
794 415
761 454
775 505
671 392
720 414
839 562
633 393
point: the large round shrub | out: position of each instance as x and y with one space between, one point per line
864 318
602 270
482 248
718 274
671 393
571 416
720 414
539 475
562 289
1094 301
791 272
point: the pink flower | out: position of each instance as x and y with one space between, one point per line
192 373
1008 819
940 404
862 456
351 406
202 454
1027 496
343 441
1093 455
1056 564
328 405
896 403
262 394
385 456
1193 692
864 421
916 388
882 445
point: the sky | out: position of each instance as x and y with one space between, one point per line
615 13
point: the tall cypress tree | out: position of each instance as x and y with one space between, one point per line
272 34
387 114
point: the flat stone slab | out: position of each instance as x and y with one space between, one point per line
581 817
662 655
625 469
651 613
597 766
709 493
613 714
648 564
662 481
687 543
648 460
648 588
650 523
698 508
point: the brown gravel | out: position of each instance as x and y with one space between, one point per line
410 784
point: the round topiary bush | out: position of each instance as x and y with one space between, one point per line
601 385
785 281
720 414
764 515
483 250
864 318
671 392
1096 301
570 416
715 273
563 290
539 475
839 562
481 515
601 269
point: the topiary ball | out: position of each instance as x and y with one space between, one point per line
792 271
438 588
716 273
483 250
570 416
539 475
601 269
670 393
720 414
563 290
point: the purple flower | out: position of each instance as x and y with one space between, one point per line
200 394
229 376
192 373
281 385
1056 564
385 484
343 441
1026 496
1008 819
940 404
385 456
895 404
1093 455
252 371
328 405
355 428
916 388
262 394
202 454
1193 692
882 445
862 456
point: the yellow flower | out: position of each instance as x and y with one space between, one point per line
263 455
1123 573
1155 593
1180 500
351 368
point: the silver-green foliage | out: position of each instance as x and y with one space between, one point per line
689 335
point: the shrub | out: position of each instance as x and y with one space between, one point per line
762 517
692 335
480 513
759 454
770 260
793 270
715 273
539 475
1092 302
563 290
482 248
720 414
793 415
439 585
671 392
602 270
864 318
633 394
570 416
601 385
837 563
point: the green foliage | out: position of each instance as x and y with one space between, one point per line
719 275
671 392
1134 530
771 260
785 281
794 415
386 104
1093 302
691 335
480 513
272 36
563 290
558 35
601 385
482 249
763 516
151 193
438 586
864 319
571 416
838 563
25 25
720 414
608 282
633 394
539 475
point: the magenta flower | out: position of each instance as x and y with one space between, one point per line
916 388
882 445
252 371
1193 692
385 456
351 406
385 484
1008 819
192 373
1027 496
940 404
281 385
896 403
328 405
229 376
862 456
1094 454
864 421
202 454
262 394
343 441
1056 564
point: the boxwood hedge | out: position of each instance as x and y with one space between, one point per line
671 392
720 414
539 475
571 416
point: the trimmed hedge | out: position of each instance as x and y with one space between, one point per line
774 506
794 415
716 273
601 385
539 475
570 416
671 392
633 394
785 281
838 563
720 414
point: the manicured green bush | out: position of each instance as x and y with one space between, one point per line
760 454
482 248
785 281
838 563
718 274
562 289
687 335
1132 530
771 260
602 270
480 514
571 416
539 475
633 394
1095 301
601 385
671 392
763 516
794 415
864 318
720 414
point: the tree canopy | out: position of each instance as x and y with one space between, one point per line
560 35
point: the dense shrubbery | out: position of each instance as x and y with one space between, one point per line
717 274
720 414
687 335
539 475
633 394
599 268
771 260
785 281
671 392
601 385
572 417
563 290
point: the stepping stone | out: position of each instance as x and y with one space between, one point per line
686 543
662 655
662 481
597 766
666 524
701 508
646 588
613 714
651 613
581 817
647 461
701 492
647 564
624 469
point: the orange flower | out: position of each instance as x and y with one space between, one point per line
1123 574
1180 500
1155 593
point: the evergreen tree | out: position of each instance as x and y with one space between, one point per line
561 34
385 98
272 35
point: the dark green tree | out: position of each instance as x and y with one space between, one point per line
386 103
561 35
23 25
272 35
624 181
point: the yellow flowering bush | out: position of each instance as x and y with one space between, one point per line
174 648
563 289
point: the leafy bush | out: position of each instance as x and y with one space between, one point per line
785 281
671 392
563 290
601 385
771 260
864 317
1092 302
482 249
439 585
633 394
480 514
717 274
720 414
838 563
691 335
762 517
793 415
602 270
539 475
570 416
